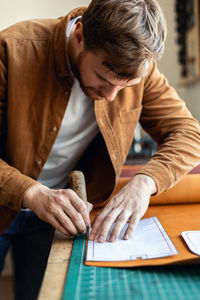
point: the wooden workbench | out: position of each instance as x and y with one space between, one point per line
58 262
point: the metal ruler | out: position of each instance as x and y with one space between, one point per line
149 283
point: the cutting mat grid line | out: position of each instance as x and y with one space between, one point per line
162 283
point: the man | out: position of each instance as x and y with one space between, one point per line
71 93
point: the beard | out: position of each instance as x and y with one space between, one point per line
89 91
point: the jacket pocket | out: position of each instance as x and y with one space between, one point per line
129 121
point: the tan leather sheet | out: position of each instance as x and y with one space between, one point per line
186 191
174 217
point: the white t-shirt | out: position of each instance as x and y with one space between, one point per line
78 129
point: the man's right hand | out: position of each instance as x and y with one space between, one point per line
63 209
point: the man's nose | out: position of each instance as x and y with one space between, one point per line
109 92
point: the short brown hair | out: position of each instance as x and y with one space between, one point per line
131 32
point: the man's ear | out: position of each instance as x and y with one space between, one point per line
78 36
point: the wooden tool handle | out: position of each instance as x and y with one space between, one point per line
76 182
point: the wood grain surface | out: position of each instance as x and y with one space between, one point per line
56 271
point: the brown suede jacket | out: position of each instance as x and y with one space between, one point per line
35 87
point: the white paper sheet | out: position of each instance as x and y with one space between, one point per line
192 239
148 241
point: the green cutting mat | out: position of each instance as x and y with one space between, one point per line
95 283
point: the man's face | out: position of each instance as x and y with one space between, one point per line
96 80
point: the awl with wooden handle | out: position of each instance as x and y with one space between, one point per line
76 181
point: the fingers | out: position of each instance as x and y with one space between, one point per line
72 227
78 219
131 227
100 233
79 205
89 207
69 216
97 224
75 213
121 221
56 224
102 225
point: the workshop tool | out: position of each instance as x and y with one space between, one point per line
76 181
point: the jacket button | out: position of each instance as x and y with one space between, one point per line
101 121
66 93
39 162
114 156
54 128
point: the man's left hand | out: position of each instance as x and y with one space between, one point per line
130 204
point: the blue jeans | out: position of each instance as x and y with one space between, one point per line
30 239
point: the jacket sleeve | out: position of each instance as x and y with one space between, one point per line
13 184
167 120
